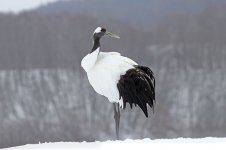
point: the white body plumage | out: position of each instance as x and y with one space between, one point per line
104 70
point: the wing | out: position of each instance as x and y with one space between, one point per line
137 87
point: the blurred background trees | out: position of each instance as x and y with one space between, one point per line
45 95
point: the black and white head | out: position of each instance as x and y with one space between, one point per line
97 34
100 32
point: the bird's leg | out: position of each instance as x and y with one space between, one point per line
118 114
117 119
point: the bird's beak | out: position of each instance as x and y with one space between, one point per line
112 35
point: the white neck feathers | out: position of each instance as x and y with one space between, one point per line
89 60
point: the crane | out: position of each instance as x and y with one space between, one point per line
118 78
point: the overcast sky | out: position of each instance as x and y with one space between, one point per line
18 5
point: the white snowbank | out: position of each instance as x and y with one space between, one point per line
145 144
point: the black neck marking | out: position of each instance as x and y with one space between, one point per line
96 44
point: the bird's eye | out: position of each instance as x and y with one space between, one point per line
103 30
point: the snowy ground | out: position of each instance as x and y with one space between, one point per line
146 144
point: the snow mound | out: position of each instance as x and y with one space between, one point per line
180 143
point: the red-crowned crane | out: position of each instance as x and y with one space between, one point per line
118 78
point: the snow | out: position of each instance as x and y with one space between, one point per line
180 143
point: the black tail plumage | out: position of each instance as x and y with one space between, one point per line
137 87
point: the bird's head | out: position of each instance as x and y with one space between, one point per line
100 32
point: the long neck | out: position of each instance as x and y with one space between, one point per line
89 60
96 44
